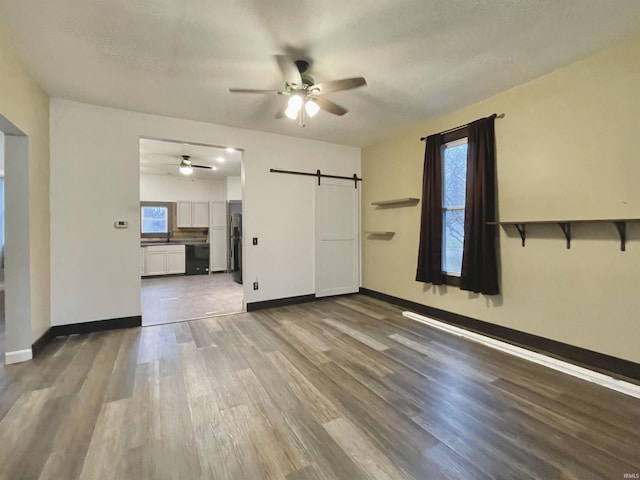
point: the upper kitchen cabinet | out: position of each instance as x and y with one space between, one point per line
192 214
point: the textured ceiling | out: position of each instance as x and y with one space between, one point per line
161 157
421 58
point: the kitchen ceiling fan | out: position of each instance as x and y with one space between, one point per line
186 167
306 96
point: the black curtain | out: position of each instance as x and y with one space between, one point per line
430 248
479 258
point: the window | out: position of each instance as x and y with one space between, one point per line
454 183
458 244
155 219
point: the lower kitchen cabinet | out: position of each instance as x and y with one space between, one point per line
176 261
163 260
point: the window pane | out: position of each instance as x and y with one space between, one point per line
154 219
455 175
452 241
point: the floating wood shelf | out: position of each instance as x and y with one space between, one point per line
565 225
379 232
397 202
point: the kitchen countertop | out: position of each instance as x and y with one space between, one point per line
185 242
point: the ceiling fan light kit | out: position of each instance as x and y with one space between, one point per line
306 98
311 107
293 106
186 167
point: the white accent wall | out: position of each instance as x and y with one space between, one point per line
167 188
234 188
95 180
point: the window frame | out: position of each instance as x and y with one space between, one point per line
450 278
170 210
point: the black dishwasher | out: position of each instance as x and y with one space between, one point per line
196 259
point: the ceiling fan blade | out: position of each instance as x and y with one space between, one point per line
337 85
202 166
289 70
329 106
252 90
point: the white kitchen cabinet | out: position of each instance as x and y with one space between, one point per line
218 252
176 261
192 214
183 209
143 252
155 262
164 259
218 237
200 214
218 214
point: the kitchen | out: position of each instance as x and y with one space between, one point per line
190 231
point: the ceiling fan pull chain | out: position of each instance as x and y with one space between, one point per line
319 176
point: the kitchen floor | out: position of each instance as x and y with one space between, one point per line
179 298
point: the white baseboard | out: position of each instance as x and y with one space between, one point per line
535 357
18 356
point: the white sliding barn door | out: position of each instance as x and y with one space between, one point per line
337 237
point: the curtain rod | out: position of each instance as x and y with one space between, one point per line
494 115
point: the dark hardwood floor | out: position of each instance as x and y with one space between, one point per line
342 388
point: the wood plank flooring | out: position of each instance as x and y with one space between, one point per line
3 348
185 297
342 388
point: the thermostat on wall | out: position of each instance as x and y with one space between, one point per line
121 224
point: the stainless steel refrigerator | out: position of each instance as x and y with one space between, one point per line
236 247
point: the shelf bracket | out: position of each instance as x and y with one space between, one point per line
566 229
521 227
622 231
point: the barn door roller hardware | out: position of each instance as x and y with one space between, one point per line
319 175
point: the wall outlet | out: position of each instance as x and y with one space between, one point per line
255 240
255 285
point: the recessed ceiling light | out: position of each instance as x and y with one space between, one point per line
230 149
220 159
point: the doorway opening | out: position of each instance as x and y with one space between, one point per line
16 335
190 202
2 226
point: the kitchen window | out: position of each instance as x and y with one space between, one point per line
156 219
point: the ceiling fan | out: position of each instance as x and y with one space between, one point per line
186 167
306 96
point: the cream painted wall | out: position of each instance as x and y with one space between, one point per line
2 152
168 188
567 148
95 181
26 105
